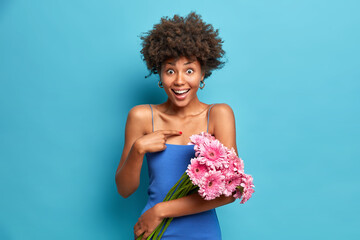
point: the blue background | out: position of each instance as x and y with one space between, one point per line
71 70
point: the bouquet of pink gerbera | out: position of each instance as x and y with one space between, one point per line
215 171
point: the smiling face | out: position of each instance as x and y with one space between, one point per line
181 78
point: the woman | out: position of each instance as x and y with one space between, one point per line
184 52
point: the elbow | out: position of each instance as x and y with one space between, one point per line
123 194
123 191
119 188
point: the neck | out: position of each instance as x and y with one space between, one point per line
194 107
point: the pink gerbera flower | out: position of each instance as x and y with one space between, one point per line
207 135
198 139
214 151
204 160
212 186
238 193
196 171
236 165
247 195
247 185
217 170
232 180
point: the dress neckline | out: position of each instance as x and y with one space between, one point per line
179 144
175 145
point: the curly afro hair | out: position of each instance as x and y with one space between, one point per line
189 37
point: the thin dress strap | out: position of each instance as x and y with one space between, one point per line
152 117
207 130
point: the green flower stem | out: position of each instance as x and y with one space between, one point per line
150 235
181 188
178 193
158 228
184 182
167 224
171 191
183 193
180 181
173 188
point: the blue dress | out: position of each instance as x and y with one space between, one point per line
165 169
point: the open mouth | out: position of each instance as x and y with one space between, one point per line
182 92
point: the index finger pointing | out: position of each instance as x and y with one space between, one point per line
171 132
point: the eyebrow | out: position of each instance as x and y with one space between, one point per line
189 62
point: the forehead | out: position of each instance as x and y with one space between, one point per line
181 61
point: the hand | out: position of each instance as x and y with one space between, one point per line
147 222
155 141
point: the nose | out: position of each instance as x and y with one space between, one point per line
180 79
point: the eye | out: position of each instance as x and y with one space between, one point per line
189 71
170 71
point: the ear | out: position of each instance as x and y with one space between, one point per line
202 75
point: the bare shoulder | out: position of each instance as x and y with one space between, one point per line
221 112
223 124
136 126
139 111
140 116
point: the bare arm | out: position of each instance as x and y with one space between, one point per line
190 204
127 175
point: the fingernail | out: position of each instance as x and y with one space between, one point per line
180 132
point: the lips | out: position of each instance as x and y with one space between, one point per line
181 96
182 91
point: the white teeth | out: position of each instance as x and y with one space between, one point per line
180 92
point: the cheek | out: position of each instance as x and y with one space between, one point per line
165 81
196 81
195 87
